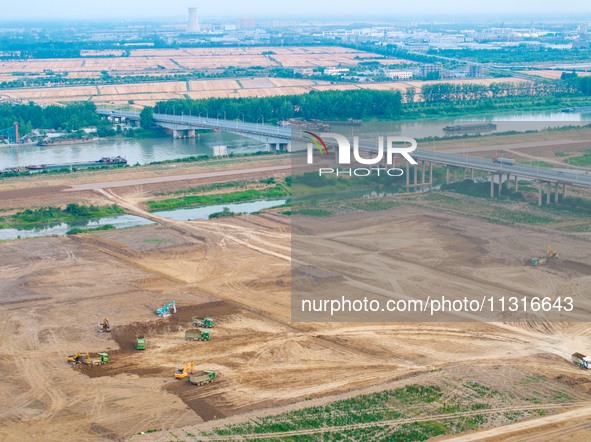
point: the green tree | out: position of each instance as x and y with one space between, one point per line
146 117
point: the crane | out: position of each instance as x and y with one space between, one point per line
164 312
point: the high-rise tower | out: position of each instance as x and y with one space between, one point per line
193 26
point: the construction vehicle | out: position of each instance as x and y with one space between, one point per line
551 254
203 377
203 322
80 358
75 359
105 327
581 360
140 343
195 334
187 369
506 161
164 312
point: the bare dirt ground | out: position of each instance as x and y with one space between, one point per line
54 291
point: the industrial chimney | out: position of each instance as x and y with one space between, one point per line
193 26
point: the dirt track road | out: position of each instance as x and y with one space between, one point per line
515 146
166 179
496 434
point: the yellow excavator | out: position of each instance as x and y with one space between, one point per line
182 373
77 358
550 255
105 327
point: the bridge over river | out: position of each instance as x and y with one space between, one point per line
550 182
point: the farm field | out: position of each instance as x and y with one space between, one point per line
147 94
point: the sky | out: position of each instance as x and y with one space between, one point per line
142 9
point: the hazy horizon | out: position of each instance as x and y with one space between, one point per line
38 10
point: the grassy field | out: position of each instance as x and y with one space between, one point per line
46 215
583 160
78 230
277 191
411 413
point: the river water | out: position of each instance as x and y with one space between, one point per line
142 151
160 149
123 221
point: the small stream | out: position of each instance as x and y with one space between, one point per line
124 221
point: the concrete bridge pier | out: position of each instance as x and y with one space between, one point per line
283 147
492 185
516 183
423 164
407 178
183 133
563 191
500 183
548 194
539 193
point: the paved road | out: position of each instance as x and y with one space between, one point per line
575 177
516 146
171 178
210 123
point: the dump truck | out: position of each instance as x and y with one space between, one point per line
195 334
581 360
105 326
140 343
537 262
203 322
501 160
202 377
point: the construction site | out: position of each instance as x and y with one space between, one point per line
183 329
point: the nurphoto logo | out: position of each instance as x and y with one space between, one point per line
403 146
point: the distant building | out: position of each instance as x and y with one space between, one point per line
193 26
430 71
398 75
335 71
304 71
475 71
247 23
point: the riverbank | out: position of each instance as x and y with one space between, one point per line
252 194
72 213
468 109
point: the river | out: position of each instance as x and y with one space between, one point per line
160 149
